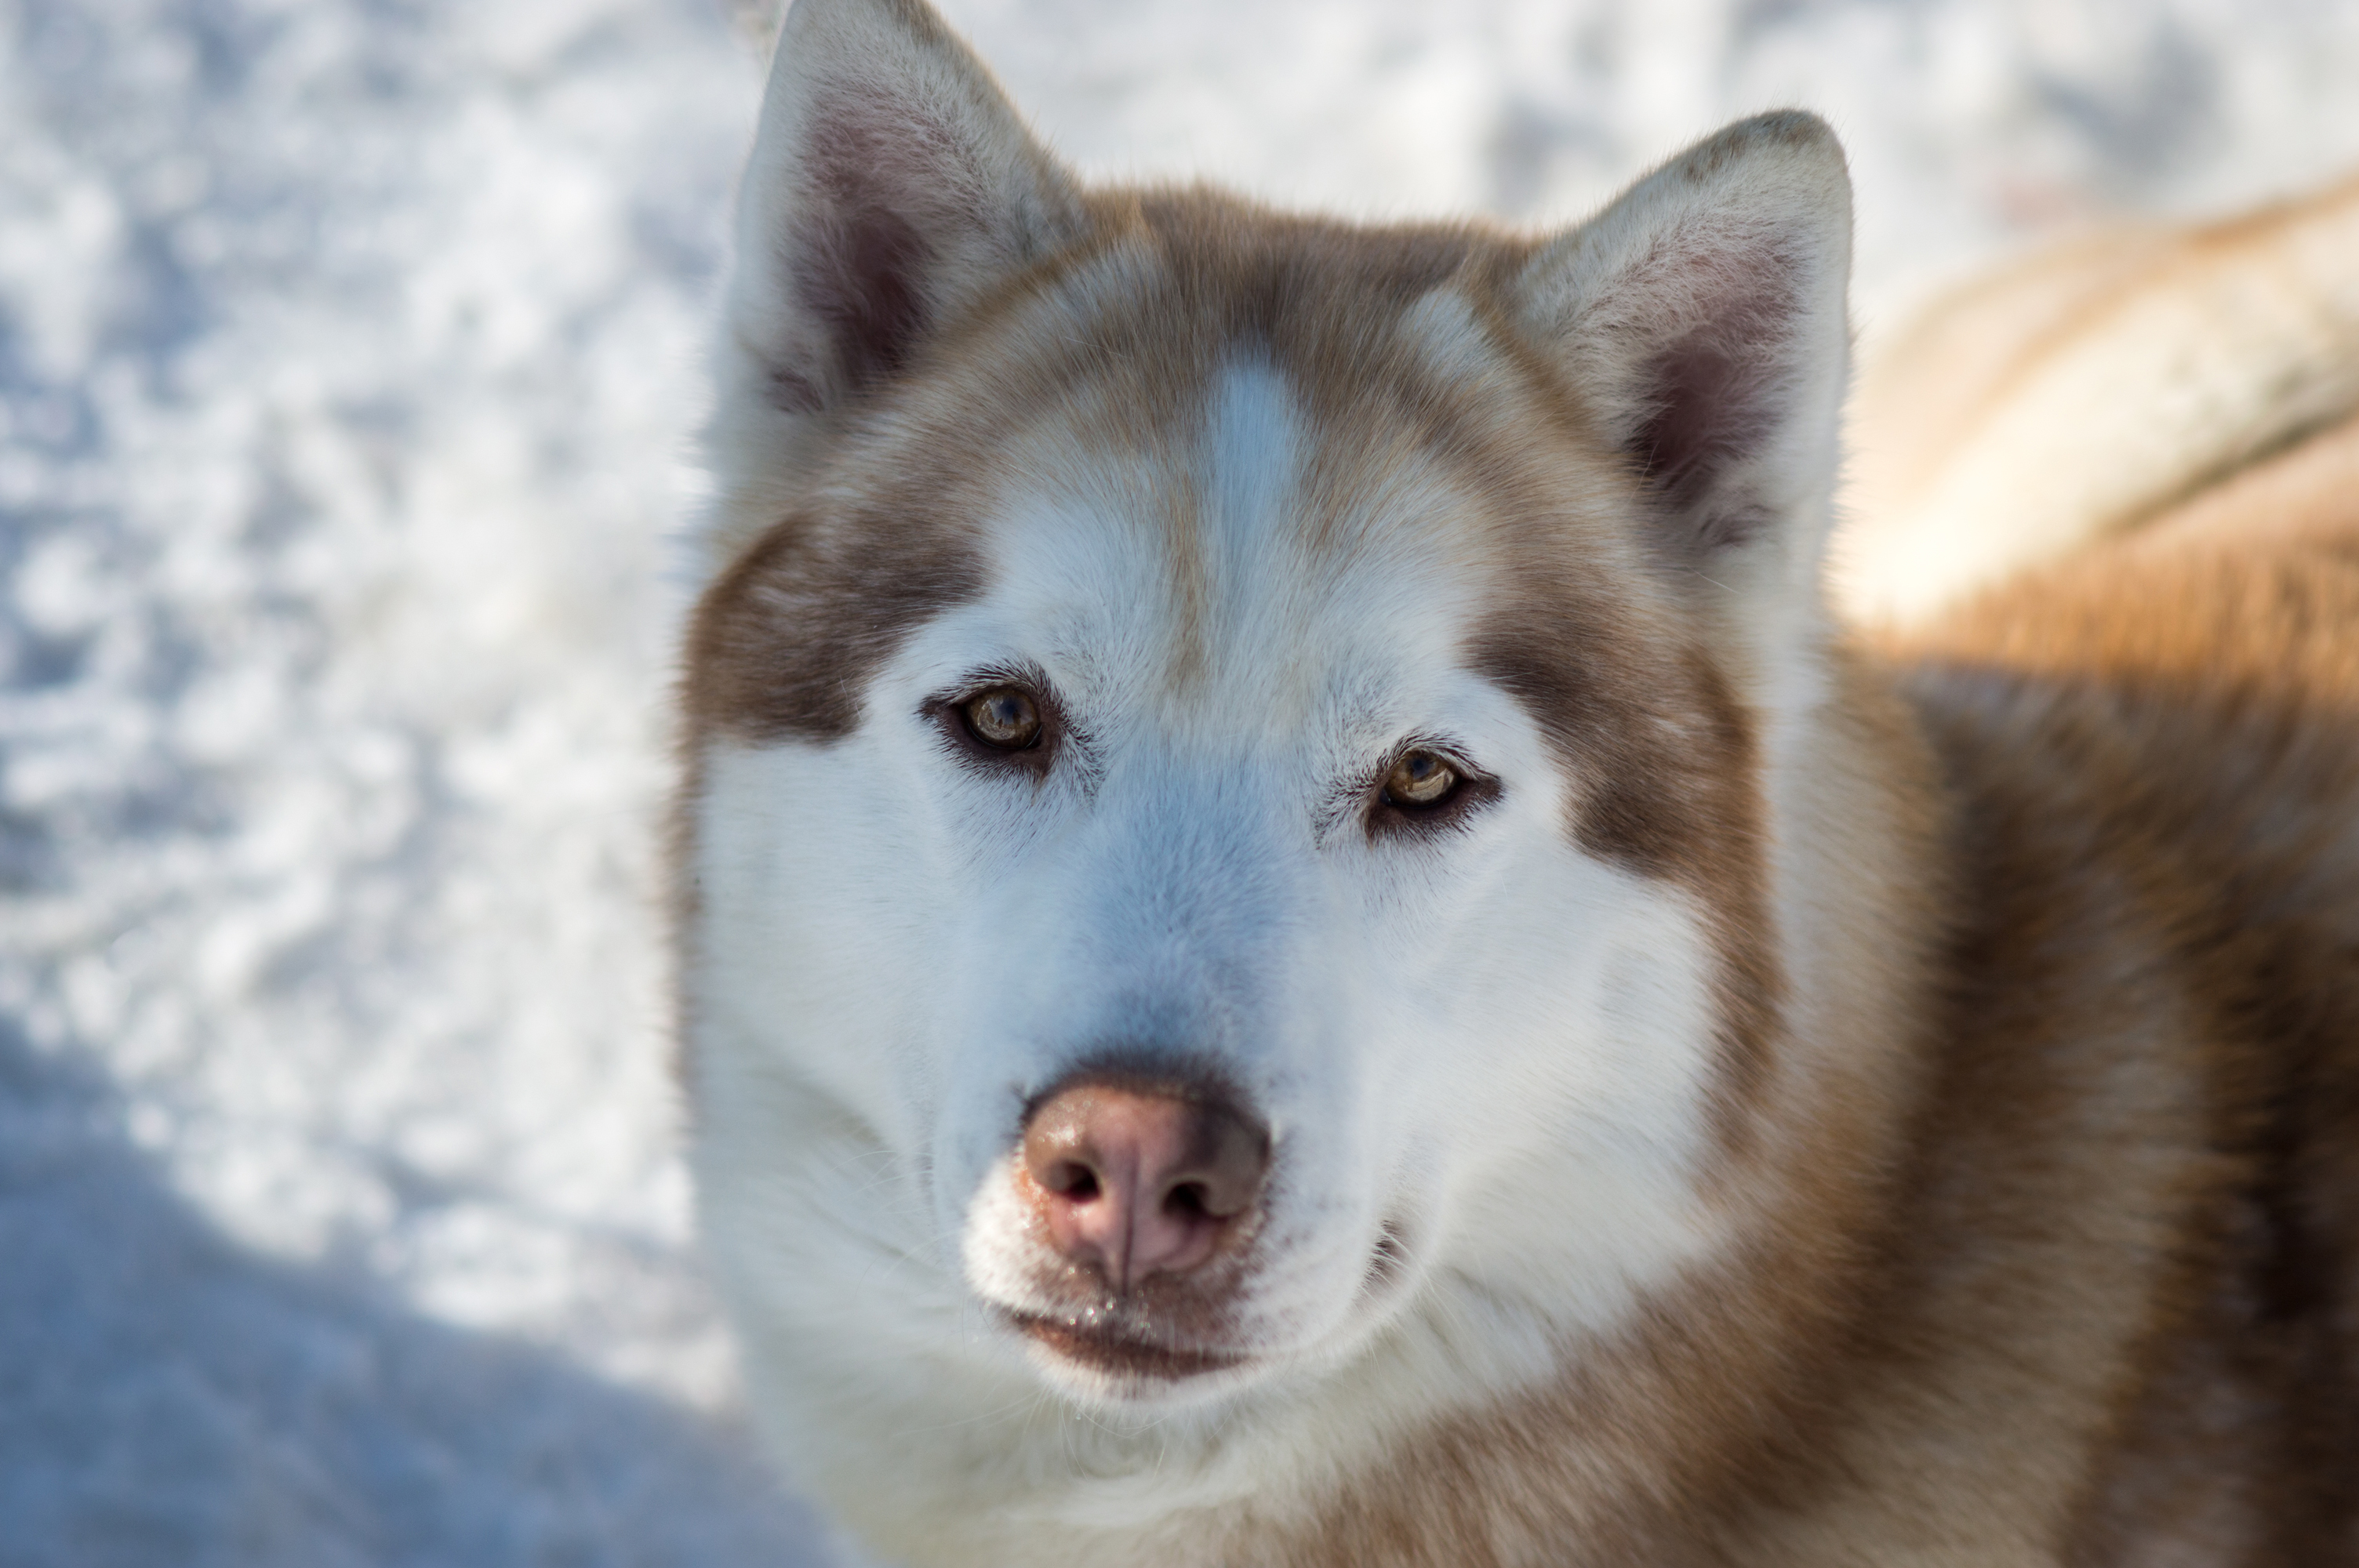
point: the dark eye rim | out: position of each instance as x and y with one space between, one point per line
1475 790
947 710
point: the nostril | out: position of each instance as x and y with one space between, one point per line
1071 1179
1187 1200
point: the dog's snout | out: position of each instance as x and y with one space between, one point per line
1142 1181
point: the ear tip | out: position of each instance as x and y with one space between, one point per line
805 22
1800 129
1796 143
1786 165
805 29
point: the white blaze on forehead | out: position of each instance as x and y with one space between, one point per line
1200 574
1253 507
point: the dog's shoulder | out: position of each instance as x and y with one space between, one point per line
2154 982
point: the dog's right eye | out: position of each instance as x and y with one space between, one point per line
1004 718
1426 790
1420 781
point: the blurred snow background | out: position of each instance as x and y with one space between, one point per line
348 352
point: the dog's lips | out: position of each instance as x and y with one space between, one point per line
1170 1337
1104 1349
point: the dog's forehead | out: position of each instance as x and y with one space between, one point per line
1240 497
1229 563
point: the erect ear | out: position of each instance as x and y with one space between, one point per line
891 184
1700 318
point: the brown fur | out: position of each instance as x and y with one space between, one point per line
2189 704
2054 1201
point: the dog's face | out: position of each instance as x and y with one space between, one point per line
1228 754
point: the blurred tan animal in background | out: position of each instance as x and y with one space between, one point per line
2141 379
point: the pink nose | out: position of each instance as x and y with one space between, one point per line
1141 1182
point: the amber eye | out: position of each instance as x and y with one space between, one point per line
1421 779
1004 717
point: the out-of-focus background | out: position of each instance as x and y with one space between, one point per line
348 363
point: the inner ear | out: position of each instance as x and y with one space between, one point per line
1708 401
891 186
862 285
1701 319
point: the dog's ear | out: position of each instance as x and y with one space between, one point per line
891 184
1701 319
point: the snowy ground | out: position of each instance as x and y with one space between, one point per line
347 351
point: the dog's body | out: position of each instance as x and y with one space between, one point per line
1299 945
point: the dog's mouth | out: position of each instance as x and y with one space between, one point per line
1170 1338
1104 1348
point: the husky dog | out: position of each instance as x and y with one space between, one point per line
1301 943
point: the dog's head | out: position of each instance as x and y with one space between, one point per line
1230 807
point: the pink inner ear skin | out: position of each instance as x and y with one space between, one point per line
861 282
1715 392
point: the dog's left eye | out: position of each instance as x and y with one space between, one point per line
1004 718
1420 781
